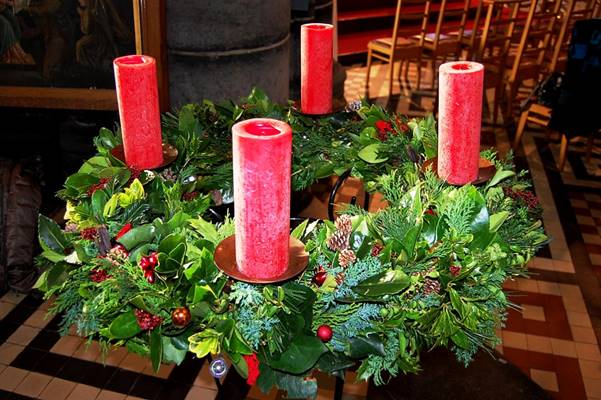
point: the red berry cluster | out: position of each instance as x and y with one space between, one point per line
88 233
376 250
148 264
190 196
147 321
98 186
99 275
526 196
383 127
455 270
252 362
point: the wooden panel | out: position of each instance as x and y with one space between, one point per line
41 97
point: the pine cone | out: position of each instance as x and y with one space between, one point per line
338 241
344 224
431 285
346 258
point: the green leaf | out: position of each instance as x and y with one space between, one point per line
53 276
111 206
199 293
139 235
52 256
369 154
500 175
297 387
300 230
172 351
81 182
334 361
124 326
205 342
362 346
300 356
496 220
99 200
388 282
94 165
156 349
133 193
206 229
51 236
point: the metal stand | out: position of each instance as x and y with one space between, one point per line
331 202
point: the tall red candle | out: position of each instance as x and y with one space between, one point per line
138 99
459 121
316 68
262 152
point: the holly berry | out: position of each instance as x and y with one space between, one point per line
320 278
145 263
153 259
149 275
455 270
181 316
324 333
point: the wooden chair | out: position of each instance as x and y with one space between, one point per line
469 39
539 114
441 42
526 60
505 20
396 48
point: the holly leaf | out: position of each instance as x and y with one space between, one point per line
334 361
94 164
51 236
124 326
496 220
388 282
369 154
300 356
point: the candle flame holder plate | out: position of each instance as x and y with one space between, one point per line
486 170
225 259
338 105
169 154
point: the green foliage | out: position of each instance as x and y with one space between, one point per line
426 271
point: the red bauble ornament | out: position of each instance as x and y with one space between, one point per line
181 316
320 277
324 333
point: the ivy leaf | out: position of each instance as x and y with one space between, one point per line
124 326
369 154
300 356
388 282
51 236
156 349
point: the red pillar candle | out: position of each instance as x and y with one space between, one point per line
316 68
262 150
138 99
459 121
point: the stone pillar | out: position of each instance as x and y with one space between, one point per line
219 50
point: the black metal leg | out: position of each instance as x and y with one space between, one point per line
339 388
334 191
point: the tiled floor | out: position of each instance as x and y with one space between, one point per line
553 338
